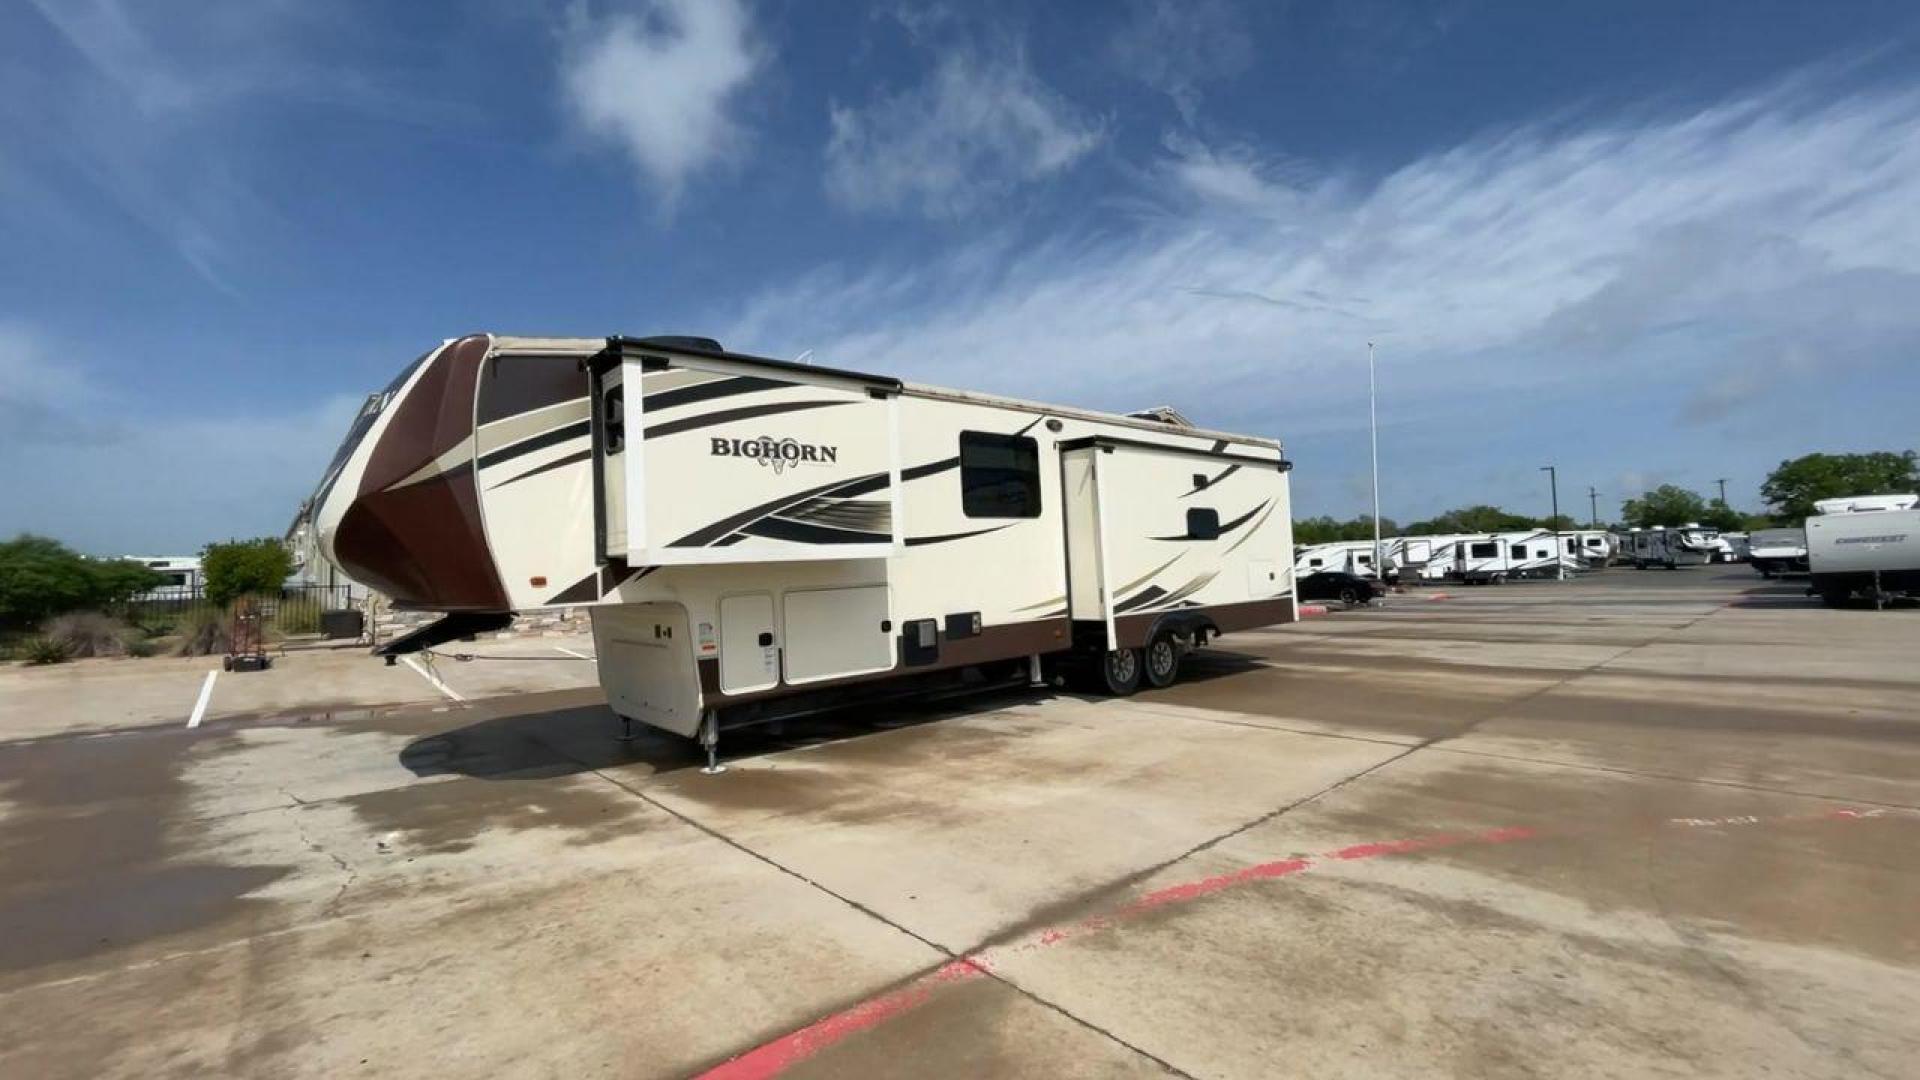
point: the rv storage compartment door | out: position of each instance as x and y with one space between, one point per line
732 463
646 664
749 644
836 632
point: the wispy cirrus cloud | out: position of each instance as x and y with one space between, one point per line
662 84
1568 254
980 124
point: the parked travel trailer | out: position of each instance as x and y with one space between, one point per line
1672 548
1499 557
182 574
1866 547
1733 547
1352 556
1590 548
757 539
1778 551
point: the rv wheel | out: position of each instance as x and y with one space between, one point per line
1120 672
1162 661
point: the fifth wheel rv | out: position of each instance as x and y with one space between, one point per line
756 539
1668 547
1865 547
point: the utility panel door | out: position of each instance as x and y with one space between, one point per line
749 644
836 632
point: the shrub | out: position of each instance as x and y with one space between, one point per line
40 577
141 647
88 633
44 650
203 632
239 567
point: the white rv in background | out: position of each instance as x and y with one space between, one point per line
757 539
1351 556
1589 548
182 574
1494 558
1867 546
1778 551
1690 545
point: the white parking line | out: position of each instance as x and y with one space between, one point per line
421 670
206 695
570 652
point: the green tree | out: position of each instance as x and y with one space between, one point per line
40 577
240 567
1668 504
1473 519
1793 488
1326 530
1723 517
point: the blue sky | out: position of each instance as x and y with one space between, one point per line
1645 242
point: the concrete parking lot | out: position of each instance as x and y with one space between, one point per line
1659 823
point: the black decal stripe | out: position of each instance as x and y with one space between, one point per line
725 416
732 523
919 541
1224 529
1029 426
1145 597
707 391
580 592
802 532
561 463
538 442
873 484
1251 533
1228 471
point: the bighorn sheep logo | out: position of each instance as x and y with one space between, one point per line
775 453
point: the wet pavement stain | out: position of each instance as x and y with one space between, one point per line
451 816
93 845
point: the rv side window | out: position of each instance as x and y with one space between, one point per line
1484 551
999 476
1519 551
1316 562
614 420
1203 524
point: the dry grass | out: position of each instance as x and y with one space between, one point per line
89 633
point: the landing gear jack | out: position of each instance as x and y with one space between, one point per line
626 729
710 738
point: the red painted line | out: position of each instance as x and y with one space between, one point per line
775 1057
783 1053
1312 609
1438 596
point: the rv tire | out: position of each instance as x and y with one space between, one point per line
1161 661
1118 672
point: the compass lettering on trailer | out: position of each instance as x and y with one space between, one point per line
774 453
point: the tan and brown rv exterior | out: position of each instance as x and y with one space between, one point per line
754 537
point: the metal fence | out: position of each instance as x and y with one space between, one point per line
294 609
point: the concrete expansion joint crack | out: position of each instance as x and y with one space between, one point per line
332 905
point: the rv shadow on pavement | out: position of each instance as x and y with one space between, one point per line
564 742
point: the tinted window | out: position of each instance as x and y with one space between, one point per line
1519 551
1484 551
999 476
1203 524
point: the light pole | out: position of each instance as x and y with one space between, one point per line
1373 435
1559 555
1723 490
1593 507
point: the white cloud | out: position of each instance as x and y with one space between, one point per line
977 127
1572 256
1179 46
662 85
